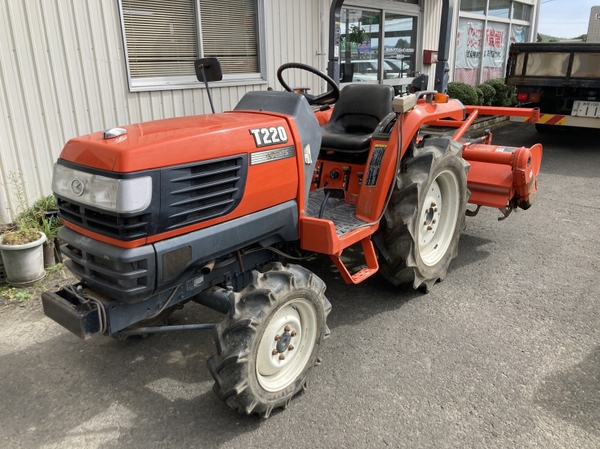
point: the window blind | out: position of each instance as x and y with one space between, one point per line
229 32
161 37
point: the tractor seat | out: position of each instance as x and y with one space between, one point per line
356 116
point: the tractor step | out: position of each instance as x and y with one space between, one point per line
330 226
361 275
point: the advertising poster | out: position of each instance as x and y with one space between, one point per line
469 48
494 50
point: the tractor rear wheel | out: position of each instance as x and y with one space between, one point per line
419 232
270 340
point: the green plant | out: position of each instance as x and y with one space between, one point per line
357 35
50 225
479 95
30 221
20 236
463 92
55 268
22 296
39 217
38 209
14 294
504 94
17 186
489 93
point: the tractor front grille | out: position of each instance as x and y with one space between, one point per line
182 195
124 278
201 191
106 223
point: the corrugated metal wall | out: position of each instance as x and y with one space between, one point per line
432 16
62 74
432 13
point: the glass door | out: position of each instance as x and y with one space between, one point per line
378 47
359 45
399 49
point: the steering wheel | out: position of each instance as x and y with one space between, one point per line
328 98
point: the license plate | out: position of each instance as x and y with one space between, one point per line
586 109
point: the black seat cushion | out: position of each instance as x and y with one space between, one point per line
355 116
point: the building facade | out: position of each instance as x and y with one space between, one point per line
593 34
71 67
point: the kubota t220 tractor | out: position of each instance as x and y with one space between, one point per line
209 209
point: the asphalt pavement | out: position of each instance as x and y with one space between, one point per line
505 353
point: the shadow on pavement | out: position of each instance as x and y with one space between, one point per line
573 395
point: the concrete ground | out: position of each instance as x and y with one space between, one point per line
505 353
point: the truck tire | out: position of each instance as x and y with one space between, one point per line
419 232
270 340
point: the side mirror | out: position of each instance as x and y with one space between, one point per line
209 68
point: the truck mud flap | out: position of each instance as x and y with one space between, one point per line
65 308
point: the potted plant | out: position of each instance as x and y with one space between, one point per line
23 256
43 216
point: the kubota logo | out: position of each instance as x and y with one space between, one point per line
77 187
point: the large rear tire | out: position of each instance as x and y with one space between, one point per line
419 232
270 340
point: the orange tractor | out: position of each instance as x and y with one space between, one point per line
210 208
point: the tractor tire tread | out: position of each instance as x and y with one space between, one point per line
235 335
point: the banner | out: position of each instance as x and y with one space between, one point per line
494 48
518 34
469 44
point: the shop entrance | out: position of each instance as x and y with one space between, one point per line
379 46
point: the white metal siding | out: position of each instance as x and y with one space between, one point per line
432 14
62 74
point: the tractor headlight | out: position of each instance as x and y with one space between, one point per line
115 195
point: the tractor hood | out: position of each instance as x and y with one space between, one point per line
175 141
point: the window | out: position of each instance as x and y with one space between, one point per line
473 6
482 43
499 8
162 40
520 11
378 46
400 45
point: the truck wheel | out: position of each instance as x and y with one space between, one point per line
270 340
420 229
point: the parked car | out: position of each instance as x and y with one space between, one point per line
367 70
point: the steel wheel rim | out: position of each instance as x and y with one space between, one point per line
438 219
295 324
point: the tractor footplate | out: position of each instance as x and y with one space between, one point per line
335 209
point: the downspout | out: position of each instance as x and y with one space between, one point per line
335 13
442 68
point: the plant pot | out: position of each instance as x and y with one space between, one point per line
49 259
24 264
57 254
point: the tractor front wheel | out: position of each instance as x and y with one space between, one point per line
270 340
419 233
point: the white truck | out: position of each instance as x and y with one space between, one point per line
561 79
